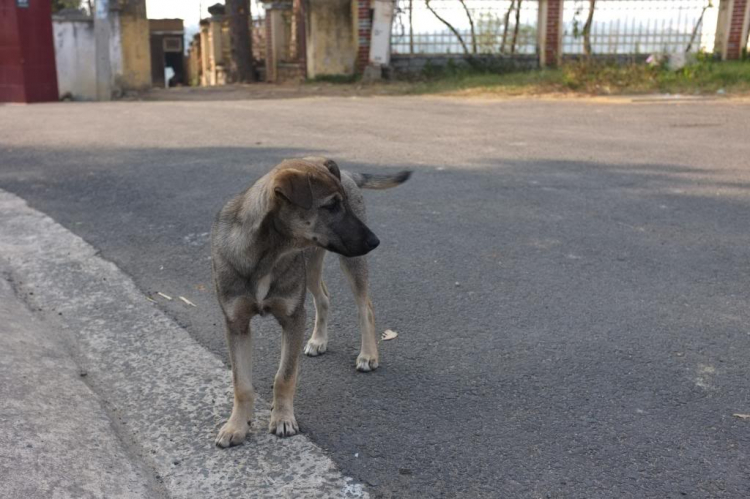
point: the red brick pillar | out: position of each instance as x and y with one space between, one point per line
364 30
270 60
738 25
550 32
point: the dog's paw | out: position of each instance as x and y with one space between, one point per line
232 434
283 424
315 348
366 363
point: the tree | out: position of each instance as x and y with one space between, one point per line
471 23
506 21
241 65
698 25
449 25
516 27
587 29
58 5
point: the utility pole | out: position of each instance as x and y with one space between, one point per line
242 66
101 39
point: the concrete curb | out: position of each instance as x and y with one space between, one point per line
165 392
56 439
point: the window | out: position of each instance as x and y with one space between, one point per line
173 44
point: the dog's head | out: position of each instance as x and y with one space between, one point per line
311 206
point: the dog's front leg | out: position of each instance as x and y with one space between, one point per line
356 272
283 423
239 342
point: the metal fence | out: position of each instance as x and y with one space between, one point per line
439 27
639 26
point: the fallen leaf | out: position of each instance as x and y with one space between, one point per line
151 300
187 301
164 296
388 334
742 416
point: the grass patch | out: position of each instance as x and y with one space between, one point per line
705 76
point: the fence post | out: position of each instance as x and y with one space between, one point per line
738 26
364 34
550 31
731 28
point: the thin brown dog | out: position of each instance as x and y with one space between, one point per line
267 247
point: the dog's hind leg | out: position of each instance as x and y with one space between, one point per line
241 355
283 423
356 273
318 343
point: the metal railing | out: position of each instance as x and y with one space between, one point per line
639 26
439 27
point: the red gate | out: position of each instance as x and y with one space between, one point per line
27 53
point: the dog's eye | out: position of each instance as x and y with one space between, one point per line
333 206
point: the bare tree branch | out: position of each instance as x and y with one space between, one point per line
698 25
449 25
515 29
505 25
471 23
587 29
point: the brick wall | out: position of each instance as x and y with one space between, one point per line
552 46
735 41
270 63
364 27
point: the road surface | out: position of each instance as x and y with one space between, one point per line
569 278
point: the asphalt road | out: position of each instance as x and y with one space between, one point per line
569 279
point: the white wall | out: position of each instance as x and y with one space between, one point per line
75 56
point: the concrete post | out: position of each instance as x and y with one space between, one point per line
102 35
380 41
541 33
204 61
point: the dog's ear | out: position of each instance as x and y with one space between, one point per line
294 186
333 168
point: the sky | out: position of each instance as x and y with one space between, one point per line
190 11
187 10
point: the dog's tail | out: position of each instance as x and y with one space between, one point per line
371 181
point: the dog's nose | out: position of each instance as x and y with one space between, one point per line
372 242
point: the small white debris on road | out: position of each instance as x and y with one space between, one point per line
388 334
188 301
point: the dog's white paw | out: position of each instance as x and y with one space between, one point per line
283 424
315 348
366 363
232 434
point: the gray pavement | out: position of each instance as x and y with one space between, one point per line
568 278
56 438
165 396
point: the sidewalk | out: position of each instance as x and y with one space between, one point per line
56 439
167 395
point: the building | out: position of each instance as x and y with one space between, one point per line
129 50
167 52
296 39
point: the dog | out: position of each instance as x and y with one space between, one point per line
267 249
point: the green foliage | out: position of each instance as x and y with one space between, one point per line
58 5
705 76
